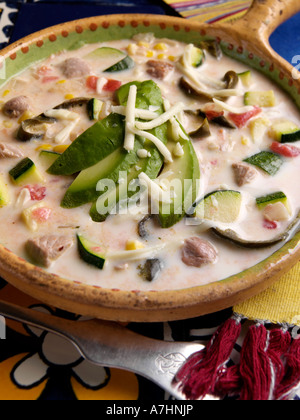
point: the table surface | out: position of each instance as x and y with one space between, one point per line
36 365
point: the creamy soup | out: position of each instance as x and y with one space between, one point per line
162 113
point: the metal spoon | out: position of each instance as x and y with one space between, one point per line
110 345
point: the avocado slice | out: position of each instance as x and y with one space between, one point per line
106 203
92 146
184 181
83 190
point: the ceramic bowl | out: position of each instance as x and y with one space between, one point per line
245 40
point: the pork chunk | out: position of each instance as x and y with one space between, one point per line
197 252
9 151
47 249
243 173
159 69
75 67
16 107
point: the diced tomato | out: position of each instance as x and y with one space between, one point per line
91 82
268 224
42 214
212 111
286 150
112 85
240 120
48 79
37 193
211 115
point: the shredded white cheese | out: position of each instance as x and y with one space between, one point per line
163 118
65 133
178 150
233 109
142 153
144 114
177 131
62 114
100 84
137 254
155 140
130 119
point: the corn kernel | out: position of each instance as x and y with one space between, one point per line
5 93
172 58
143 44
245 141
161 56
26 116
69 96
161 47
44 147
150 54
61 148
61 82
134 245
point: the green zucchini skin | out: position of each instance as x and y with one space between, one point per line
88 255
125 64
290 137
271 199
269 162
94 107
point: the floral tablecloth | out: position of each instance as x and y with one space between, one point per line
38 365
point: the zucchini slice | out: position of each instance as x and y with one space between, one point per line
269 162
220 206
48 157
262 99
4 193
90 252
277 197
105 52
25 172
193 56
291 137
246 78
285 132
125 64
94 107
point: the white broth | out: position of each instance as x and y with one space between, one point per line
46 85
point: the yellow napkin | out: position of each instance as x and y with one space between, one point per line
279 304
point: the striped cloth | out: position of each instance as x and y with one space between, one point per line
210 10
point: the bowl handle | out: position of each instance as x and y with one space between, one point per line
263 17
